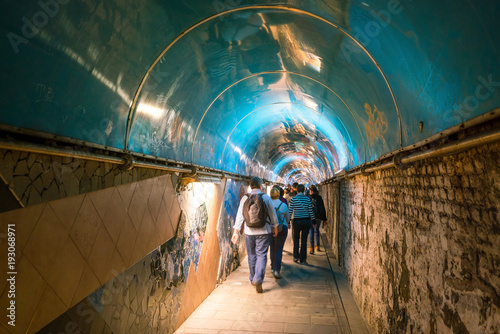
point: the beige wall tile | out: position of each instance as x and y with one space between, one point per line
155 240
126 241
169 196
117 265
50 308
145 186
67 272
24 220
175 213
138 253
88 284
46 242
163 224
101 255
5 329
137 207
29 290
101 199
115 216
164 181
155 199
126 192
85 227
67 208
146 233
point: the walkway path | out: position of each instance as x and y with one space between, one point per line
305 300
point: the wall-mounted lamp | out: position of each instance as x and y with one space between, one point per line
211 179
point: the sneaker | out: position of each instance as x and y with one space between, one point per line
277 275
317 248
311 251
258 287
296 260
303 262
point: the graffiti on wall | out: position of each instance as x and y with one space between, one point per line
377 125
230 254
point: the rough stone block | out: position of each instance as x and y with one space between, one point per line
109 180
38 185
79 172
439 181
70 182
31 159
34 197
51 193
468 167
21 168
47 178
465 181
19 184
479 165
35 171
442 194
7 167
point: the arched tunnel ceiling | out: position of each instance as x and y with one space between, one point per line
287 90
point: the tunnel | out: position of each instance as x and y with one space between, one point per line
129 132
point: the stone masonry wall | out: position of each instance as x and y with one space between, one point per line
37 178
330 194
421 247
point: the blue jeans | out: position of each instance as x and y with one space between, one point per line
277 244
257 246
300 231
314 232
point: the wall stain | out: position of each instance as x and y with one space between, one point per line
377 124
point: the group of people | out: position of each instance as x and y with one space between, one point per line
265 221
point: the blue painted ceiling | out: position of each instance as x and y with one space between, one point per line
288 90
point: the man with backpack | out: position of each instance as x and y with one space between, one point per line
256 210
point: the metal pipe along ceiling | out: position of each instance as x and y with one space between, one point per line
297 90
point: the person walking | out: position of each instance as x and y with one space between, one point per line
278 242
257 212
320 216
282 195
302 216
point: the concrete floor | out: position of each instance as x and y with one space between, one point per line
309 298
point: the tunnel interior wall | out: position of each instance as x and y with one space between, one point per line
331 198
37 178
420 246
137 257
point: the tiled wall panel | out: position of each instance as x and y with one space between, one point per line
162 289
65 249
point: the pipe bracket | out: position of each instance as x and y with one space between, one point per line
129 162
402 166
364 172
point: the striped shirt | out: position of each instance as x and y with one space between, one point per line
301 207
